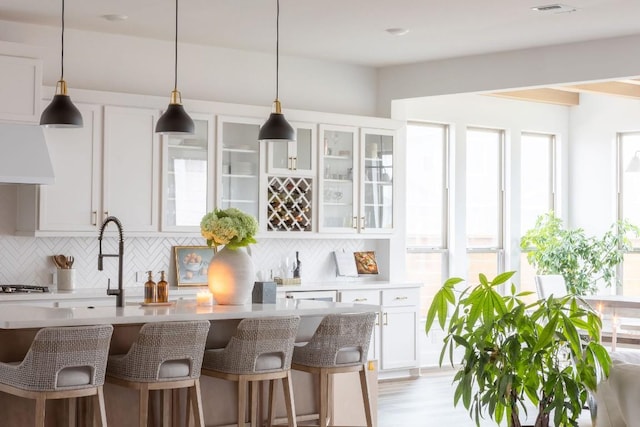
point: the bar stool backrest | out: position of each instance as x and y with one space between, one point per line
336 333
255 338
163 342
57 348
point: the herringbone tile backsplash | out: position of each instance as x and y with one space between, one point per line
27 260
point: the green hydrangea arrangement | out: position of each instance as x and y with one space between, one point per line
230 227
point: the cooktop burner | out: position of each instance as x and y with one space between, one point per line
9 289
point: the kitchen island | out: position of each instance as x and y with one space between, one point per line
19 324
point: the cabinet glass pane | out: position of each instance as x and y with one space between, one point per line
280 154
303 156
186 184
338 198
378 181
240 167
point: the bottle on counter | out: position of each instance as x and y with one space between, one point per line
163 289
150 289
296 270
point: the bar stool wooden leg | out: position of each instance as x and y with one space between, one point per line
253 385
330 413
143 408
271 417
324 390
40 403
196 402
366 399
288 399
99 410
242 400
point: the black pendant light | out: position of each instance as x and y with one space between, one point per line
276 128
61 113
175 120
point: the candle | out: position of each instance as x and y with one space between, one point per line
204 298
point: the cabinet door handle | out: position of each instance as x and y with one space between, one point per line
289 163
294 160
361 223
94 218
355 222
400 298
377 319
386 319
359 300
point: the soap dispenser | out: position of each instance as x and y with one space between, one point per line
163 289
150 289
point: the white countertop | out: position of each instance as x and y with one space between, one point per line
136 293
25 316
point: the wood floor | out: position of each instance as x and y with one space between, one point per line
428 401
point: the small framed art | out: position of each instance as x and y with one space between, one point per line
192 263
366 262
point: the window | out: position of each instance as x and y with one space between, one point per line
485 202
537 190
629 206
426 221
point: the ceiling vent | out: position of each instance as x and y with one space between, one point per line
554 8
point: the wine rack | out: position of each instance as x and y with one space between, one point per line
289 204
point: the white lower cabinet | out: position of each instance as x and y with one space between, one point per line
394 342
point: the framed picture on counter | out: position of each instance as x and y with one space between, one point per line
366 262
192 263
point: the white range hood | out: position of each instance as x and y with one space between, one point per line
24 157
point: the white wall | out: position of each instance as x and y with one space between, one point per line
603 59
461 111
118 63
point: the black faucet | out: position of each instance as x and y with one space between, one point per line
119 293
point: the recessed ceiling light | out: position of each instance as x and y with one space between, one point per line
554 8
114 17
397 31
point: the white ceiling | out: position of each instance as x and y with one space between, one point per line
350 31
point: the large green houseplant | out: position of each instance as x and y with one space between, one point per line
516 351
582 260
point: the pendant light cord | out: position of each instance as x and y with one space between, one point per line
175 65
62 44
277 46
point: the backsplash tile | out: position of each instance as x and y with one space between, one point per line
27 260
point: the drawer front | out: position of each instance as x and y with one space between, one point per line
400 297
361 297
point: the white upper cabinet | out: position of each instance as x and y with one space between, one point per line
238 165
377 181
73 202
131 167
20 89
356 185
338 190
297 157
187 176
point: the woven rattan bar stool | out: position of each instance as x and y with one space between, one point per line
165 356
260 350
62 363
340 344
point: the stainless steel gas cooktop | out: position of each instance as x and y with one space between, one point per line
9 289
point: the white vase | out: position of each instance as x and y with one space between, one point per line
231 276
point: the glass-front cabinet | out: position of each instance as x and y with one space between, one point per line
356 185
337 192
238 178
376 190
297 158
187 172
